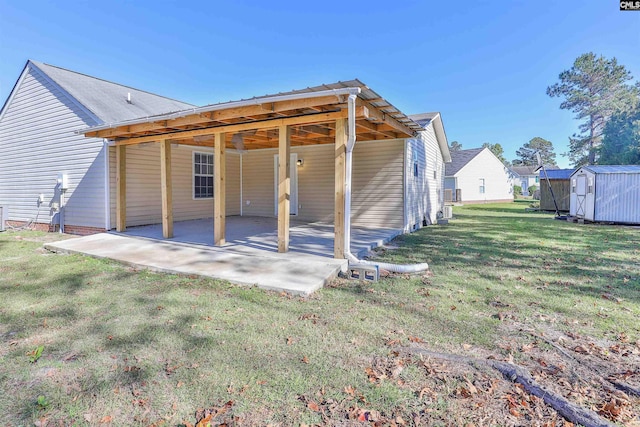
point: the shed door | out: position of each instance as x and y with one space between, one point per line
581 195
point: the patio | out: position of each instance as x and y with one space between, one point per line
250 256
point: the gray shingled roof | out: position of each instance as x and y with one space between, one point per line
459 159
423 119
524 170
108 100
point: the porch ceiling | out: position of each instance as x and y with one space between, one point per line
311 114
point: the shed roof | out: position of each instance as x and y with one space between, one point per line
460 159
108 100
557 173
597 169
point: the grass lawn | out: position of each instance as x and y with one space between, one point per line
89 342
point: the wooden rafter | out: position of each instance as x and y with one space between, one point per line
271 123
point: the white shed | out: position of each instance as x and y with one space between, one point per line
606 193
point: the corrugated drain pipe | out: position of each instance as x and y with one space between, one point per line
351 142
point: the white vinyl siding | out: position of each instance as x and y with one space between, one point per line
144 198
37 142
425 193
485 172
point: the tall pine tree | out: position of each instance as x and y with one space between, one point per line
595 88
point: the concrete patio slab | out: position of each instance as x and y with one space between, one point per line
299 274
250 256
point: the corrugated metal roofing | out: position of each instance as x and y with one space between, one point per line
366 94
108 100
613 168
557 173
459 159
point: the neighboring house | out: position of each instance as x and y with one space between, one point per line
38 141
560 182
527 176
606 194
477 176
397 167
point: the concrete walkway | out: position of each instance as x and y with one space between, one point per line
249 258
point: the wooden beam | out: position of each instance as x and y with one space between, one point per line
264 124
340 154
367 111
121 188
284 187
167 189
220 115
219 194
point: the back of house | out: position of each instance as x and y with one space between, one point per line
48 172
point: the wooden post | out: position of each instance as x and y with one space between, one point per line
219 195
167 189
121 188
284 187
340 160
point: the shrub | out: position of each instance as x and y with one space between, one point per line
517 190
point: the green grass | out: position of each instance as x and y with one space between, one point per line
140 347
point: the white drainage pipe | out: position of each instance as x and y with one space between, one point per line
351 142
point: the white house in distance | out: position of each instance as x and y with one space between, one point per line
527 176
477 176
127 157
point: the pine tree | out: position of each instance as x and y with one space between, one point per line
594 88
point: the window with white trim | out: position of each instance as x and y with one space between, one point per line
482 188
202 175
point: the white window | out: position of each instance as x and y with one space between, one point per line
481 185
202 175
415 163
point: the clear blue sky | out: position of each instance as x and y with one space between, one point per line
484 65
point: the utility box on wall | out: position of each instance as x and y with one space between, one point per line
4 216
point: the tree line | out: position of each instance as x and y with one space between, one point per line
604 98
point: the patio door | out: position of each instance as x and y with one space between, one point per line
293 174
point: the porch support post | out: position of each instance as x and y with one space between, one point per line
219 195
284 187
167 189
340 154
121 188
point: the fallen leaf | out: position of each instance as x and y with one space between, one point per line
180 384
453 307
313 406
415 339
106 419
350 390
305 359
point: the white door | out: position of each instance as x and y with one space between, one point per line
293 174
581 194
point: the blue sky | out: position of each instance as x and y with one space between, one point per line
484 65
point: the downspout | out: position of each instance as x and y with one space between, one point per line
241 201
351 142
107 187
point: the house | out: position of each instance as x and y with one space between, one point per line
477 176
527 177
606 194
560 182
38 141
352 158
